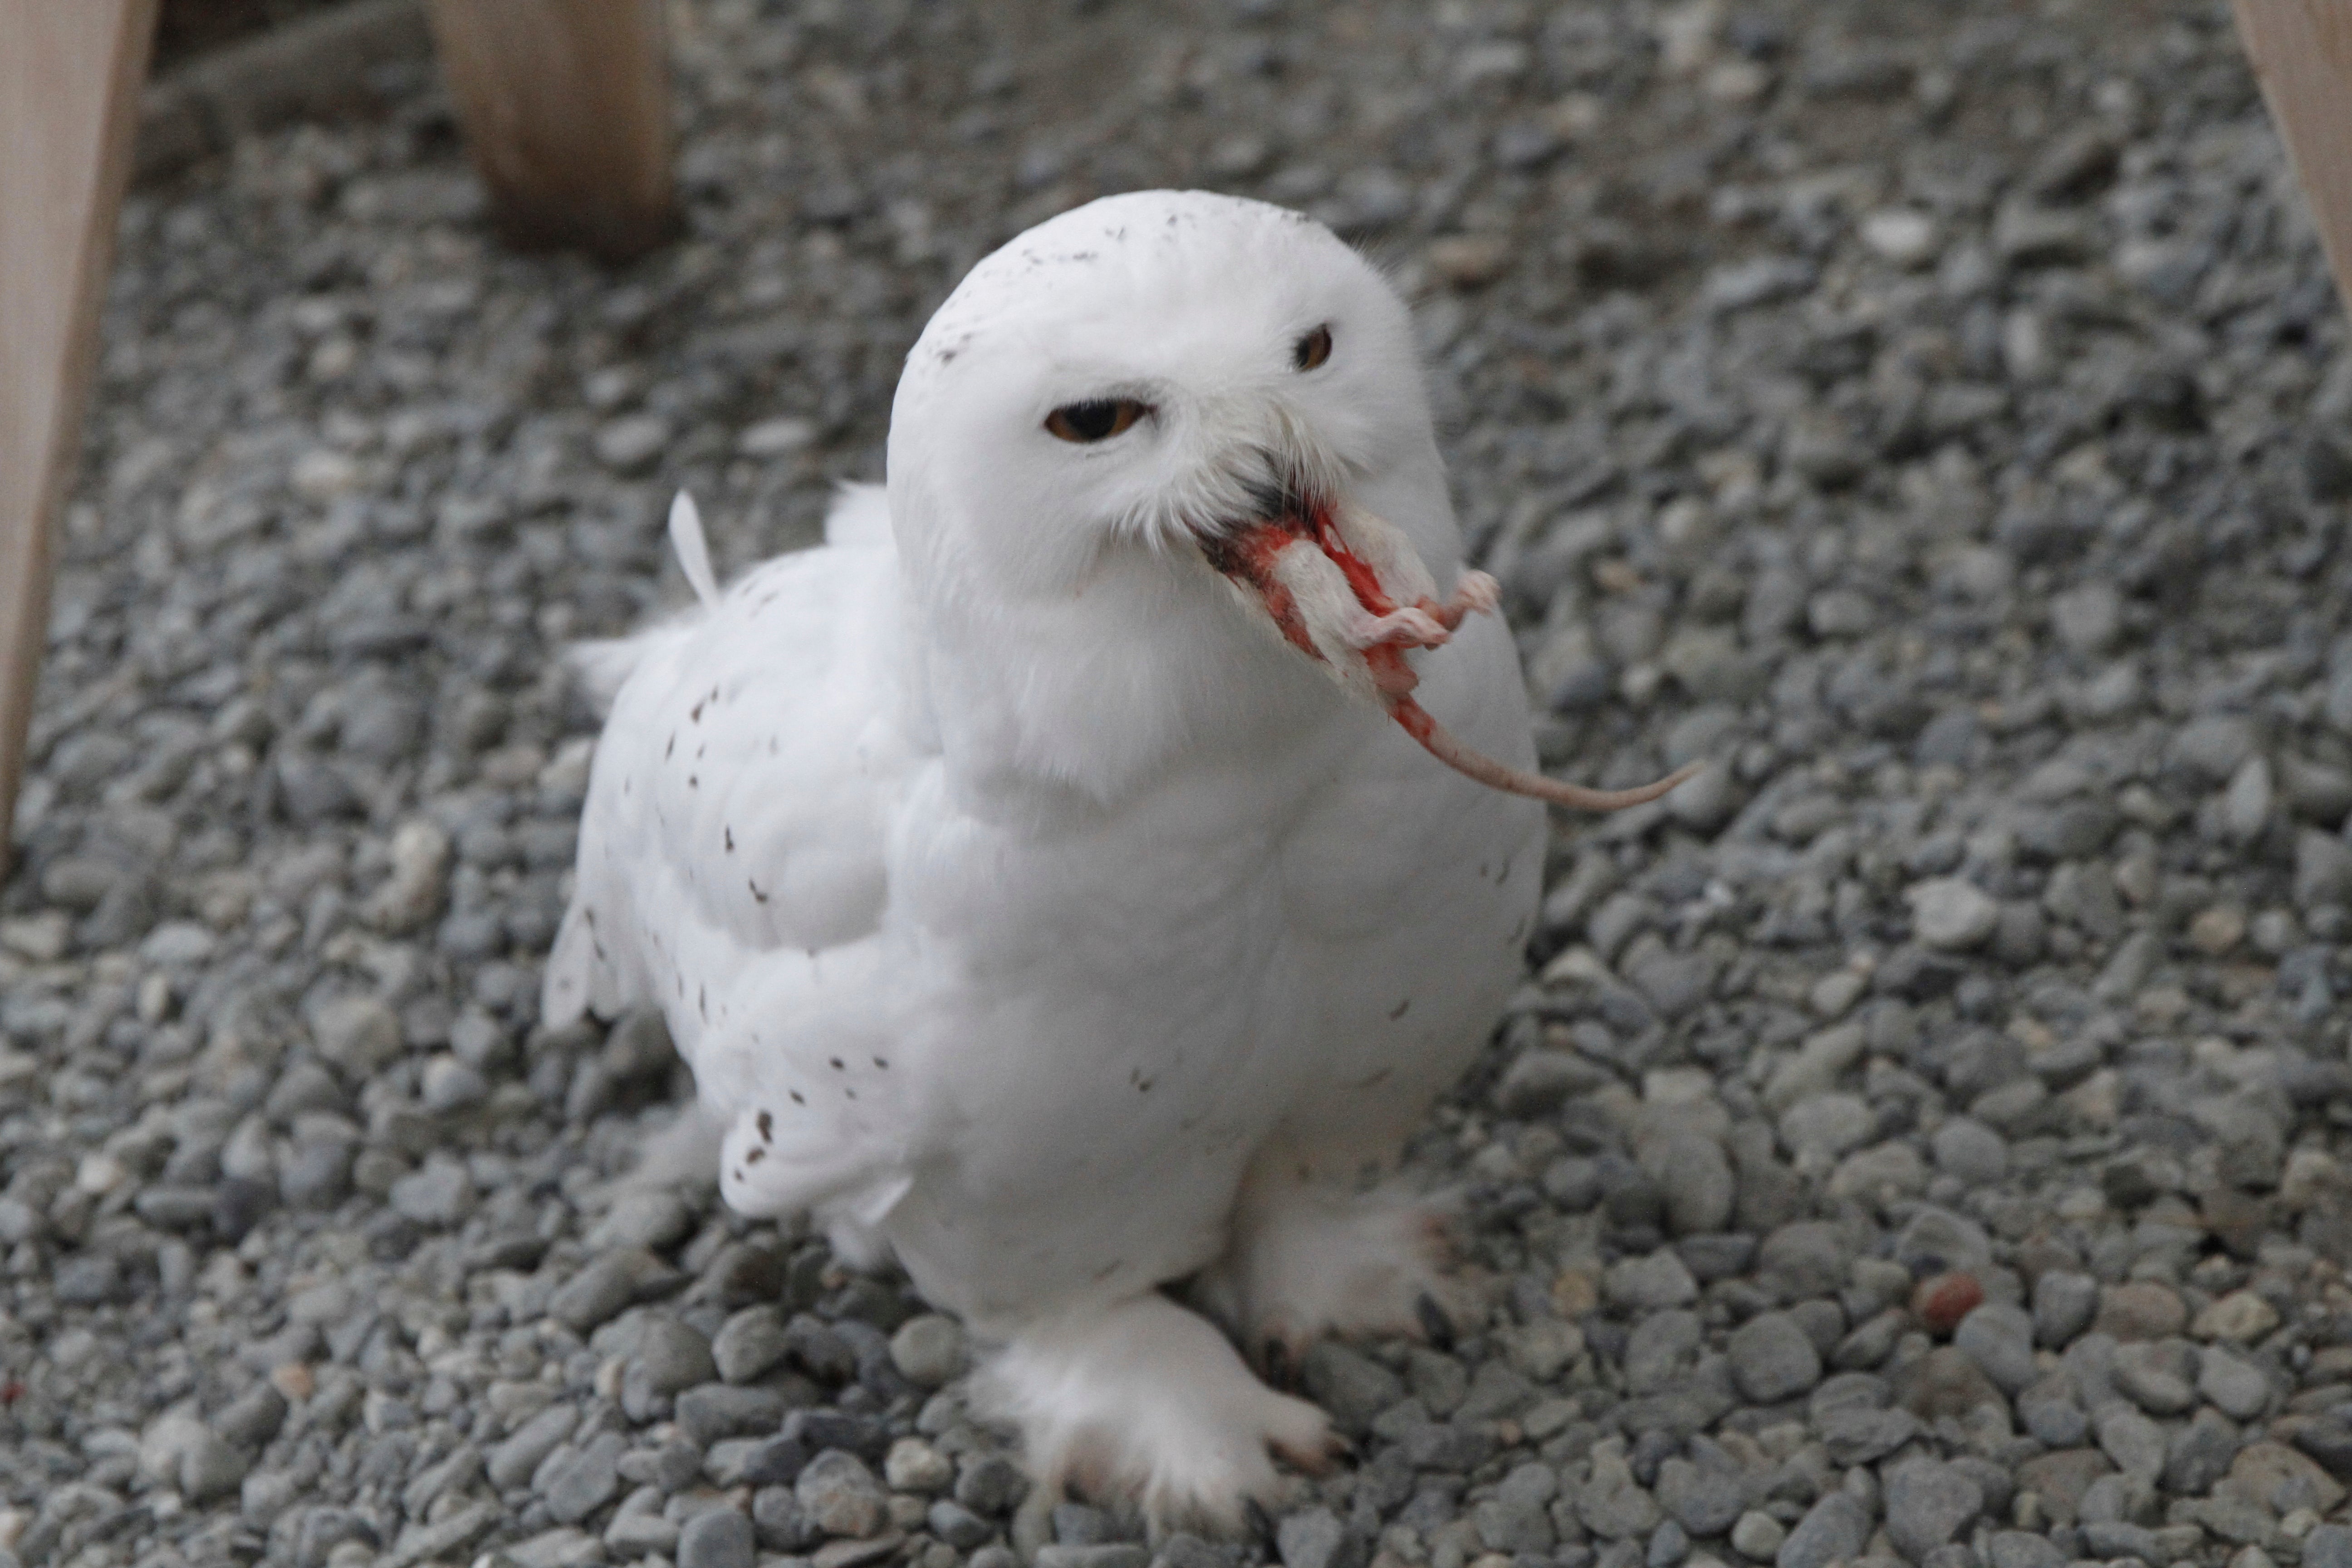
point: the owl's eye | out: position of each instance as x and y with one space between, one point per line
1097 419
1309 351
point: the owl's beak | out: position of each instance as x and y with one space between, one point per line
1346 588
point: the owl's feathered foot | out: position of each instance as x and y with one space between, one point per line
1145 1402
1311 1258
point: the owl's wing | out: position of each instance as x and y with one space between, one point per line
819 1116
740 788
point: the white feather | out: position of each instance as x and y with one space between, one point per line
693 551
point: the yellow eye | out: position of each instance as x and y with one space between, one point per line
1096 420
1311 351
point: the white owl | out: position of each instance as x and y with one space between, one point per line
1053 881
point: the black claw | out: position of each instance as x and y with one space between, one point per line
1434 1322
1255 1514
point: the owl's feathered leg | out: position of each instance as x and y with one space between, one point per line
1146 1402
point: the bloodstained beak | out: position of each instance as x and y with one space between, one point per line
1346 589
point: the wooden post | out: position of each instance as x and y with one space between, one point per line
566 107
2302 54
70 81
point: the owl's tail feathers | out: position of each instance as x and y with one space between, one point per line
693 551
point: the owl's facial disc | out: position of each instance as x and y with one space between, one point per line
1346 588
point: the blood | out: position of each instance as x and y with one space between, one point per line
1390 672
1250 554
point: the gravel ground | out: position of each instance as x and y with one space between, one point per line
1922 1140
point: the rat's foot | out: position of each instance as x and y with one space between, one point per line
1146 1402
1311 1258
1475 593
1408 627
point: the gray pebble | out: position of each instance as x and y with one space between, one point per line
2024 1549
1312 1538
670 1357
749 1343
754 1461
1998 1337
2135 1443
2063 1306
655 1220
927 1350
991 1486
574 1482
1695 1178
1832 1531
356 1033
1517 1518
2198 1454
1758 1536
1950 915
439 1193
252 1417
1773 1359
1611 1502
957 1525
1859 1436
2213 747
634 1535
605 1286
1971 1151
718 1537
2051 1414
1350 1386
2157 1377
714 1410
1660 1280
2236 1387
2329 1546
450 1085
1928 1503
512 1462
316 1175
630 443
1705 1499
841 1497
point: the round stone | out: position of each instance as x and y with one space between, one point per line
1772 1359
716 1538
927 1350
1950 915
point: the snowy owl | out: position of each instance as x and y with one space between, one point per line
1077 877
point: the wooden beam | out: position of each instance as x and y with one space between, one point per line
566 107
69 80
2301 55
